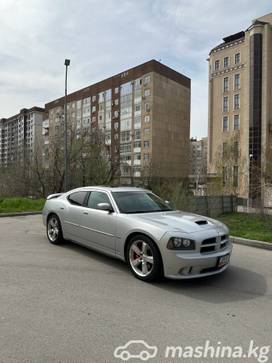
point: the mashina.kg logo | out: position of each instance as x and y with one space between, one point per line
135 349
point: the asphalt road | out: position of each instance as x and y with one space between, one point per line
69 304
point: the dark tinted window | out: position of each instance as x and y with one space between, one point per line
139 202
77 198
96 198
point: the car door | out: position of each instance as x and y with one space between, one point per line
72 215
99 226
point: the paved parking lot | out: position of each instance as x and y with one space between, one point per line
69 304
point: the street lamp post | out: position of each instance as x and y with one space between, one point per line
66 63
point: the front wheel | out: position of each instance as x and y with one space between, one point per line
144 259
54 231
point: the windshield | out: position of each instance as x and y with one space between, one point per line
139 202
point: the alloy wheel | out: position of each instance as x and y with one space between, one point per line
141 258
53 229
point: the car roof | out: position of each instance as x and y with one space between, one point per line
112 189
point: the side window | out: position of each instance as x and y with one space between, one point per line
96 198
77 198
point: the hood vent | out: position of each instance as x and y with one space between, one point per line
201 222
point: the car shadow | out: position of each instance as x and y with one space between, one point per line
95 255
234 284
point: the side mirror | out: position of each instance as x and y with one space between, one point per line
105 206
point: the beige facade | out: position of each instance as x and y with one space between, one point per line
144 114
240 108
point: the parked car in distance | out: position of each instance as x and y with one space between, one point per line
138 227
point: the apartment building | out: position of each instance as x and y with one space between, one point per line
198 164
20 136
240 109
144 115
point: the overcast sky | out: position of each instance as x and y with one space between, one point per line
103 38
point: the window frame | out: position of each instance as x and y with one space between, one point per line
75 192
223 119
226 60
96 209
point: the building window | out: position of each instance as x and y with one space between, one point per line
226 84
116 114
125 136
137 122
147 80
116 90
94 98
237 58
147 92
137 134
224 175
235 176
225 104
225 123
236 150
146 144
137 82
217 64
236 102
137 144
147 107
116 101
147 131
93 109
236 122
237 81
146 157
116 125
125 148
138 107
226 62
147 119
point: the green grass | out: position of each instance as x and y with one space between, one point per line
9 205
249 226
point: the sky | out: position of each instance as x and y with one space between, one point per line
103 38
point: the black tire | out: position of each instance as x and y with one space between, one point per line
57 237
155 272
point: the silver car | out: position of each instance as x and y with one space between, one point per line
138 227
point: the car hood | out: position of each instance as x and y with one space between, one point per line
178 221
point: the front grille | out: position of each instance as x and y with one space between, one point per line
214 243
209 241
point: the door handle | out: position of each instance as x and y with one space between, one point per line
85 213
61 208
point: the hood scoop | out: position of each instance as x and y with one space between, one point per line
201 222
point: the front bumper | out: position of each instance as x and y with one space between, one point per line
193 264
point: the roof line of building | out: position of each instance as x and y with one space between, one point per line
23 110
124 77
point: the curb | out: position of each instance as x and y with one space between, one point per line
251 243
18 214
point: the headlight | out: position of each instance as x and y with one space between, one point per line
177 243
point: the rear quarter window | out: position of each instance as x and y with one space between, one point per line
77 198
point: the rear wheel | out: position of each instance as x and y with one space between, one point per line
54 231
144 258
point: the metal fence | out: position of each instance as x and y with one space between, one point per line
212 206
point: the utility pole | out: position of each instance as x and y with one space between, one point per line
66 63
